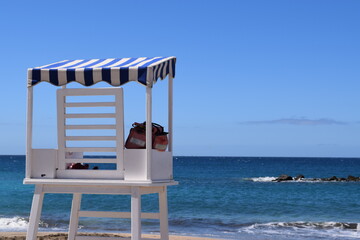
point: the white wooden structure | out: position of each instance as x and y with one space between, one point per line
136 171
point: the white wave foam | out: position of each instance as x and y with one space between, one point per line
271 179
326 230
261 179
14 224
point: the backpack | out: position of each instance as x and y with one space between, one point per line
137 137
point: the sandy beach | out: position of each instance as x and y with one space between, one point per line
63 236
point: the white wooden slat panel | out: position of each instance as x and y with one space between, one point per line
90 149
90 115
87 121
91 160
90 138
89 91
90 104
104 238
105 214
99 126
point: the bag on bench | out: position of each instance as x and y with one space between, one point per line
137 137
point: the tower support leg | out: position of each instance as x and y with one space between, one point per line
163 209
135 213
35 213
74 217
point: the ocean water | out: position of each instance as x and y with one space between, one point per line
219 197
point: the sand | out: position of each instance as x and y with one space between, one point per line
63 236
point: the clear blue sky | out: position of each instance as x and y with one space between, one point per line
254 78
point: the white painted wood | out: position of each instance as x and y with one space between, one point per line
90 115
163 208
61 130
90 149
90 104
29 129
150 190
170 113
90 174
119 100
35 213
98 126
98 182
98 189
74 216
106 214
135 164
90 138
91 160
78 190
116 138
135 213
100 238
148 131
44 163
150 171
88 91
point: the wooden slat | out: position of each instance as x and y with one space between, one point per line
99 126
91 160
90 115
90 149
90 104
90 138
89 91
104 214
103 238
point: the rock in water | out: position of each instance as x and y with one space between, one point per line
333 178
284 177
299 177
352 178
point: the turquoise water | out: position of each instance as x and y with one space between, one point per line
223 197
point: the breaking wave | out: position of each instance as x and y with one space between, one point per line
20 224
272 179
261 179
13 224
305 230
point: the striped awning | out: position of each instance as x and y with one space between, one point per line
115 71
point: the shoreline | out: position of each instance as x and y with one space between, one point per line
63 236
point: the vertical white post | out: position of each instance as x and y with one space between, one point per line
29 124
170 112
163 209
148 130
60 101
135 213
119 102
35 213
74 217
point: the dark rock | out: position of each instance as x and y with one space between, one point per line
352 178
284 177
299 177
333 178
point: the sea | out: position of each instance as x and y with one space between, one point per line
217 197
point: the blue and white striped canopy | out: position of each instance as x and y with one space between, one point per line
115 71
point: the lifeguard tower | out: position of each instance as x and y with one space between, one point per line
134 172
